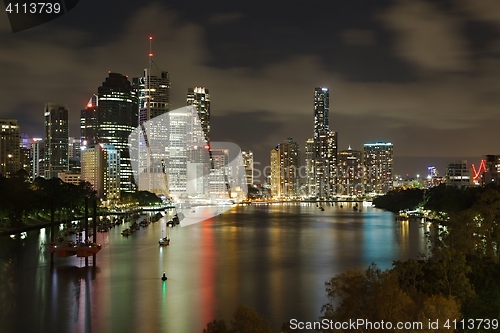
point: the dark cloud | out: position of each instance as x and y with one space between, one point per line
358 37
404 72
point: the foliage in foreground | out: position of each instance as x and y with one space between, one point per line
245 320
460 278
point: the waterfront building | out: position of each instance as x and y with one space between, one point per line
94 168
117 113
248 165
101 168
289 155
56 139
200 98
378 159
10 161
325 164
458 174
310 185
274 178
324 156
153 92
219 174
285 164
350 172
112 173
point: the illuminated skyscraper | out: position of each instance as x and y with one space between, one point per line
153 91
101 168
200 97
285 164
378 164
117 113
325 148
248 164
56 139
89 122
321 110
350 172
310 153
94 168
37 158
289 154
275 175
9 147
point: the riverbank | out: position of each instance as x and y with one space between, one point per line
41 222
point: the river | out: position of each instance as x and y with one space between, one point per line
273 257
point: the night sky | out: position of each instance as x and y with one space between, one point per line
424 75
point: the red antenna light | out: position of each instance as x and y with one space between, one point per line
151 54
150 37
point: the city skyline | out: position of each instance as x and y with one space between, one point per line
421 75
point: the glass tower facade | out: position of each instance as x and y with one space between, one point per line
117 113
56 139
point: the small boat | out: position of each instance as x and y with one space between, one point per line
164 241
126 232
321 208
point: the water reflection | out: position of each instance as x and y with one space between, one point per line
275 258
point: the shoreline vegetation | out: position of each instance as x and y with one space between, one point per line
457 284
27 205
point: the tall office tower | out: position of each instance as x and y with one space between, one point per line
248 165
200 97
310 183
378 164
117 113
275 176
37 158
325 164
285 164
321 110
218 179
89 123
112 174
179 124
325 147
153 92
458 174
289 155
56 139
350 172
9 147
94 168
101 168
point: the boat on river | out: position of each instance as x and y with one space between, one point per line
164 241
68 249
